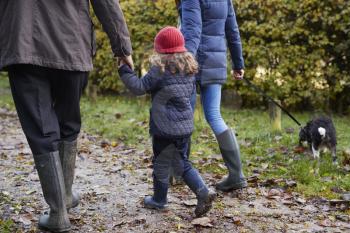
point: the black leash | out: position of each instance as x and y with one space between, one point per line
257 89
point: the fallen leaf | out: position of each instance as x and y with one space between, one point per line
310 208
325 223
237 221
30 192
204 222
289 130
344 218
299 149
264 166
114 144
291 183
25 220
300 200
104 143
192 202
274 194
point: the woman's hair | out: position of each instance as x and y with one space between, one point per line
176 63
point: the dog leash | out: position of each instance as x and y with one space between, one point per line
257 89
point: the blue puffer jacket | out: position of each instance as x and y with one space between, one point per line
209 27
171 112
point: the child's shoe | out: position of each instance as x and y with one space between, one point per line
150 203
204 202
205 197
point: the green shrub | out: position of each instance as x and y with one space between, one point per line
144 19
297 51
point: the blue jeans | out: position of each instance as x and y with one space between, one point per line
167 154
211 101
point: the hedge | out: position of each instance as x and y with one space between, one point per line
296 50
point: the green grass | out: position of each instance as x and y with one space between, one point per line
5 93
125 120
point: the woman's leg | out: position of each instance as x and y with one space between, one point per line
211 100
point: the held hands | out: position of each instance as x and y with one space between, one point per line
125 61
238 74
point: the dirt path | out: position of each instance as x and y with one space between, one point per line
114 180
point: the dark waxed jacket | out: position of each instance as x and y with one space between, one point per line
58 33
209 27
171 112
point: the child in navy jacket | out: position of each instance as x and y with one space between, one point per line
171 84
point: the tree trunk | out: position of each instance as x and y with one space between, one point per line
275 117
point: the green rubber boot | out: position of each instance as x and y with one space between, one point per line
68 153
230 152
52 183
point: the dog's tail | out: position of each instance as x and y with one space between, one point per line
322 132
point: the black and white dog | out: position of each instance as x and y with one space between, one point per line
320 133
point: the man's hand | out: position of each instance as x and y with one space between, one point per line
238 74
126 61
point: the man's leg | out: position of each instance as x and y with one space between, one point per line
68 88
31 91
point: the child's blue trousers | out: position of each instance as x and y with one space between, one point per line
172 154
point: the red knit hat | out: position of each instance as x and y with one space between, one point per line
169 40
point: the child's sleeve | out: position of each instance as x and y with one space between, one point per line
137 86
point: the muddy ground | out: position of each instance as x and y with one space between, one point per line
113 180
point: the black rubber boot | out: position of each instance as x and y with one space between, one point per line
230 152
159 199
68 153
52 183
205 197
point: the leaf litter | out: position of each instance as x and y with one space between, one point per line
113 180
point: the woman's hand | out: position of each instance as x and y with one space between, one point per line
238 74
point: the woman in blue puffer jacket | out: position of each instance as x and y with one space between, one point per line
209 27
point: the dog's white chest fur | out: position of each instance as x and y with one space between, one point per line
322 132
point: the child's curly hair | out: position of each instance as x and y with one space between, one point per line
182 63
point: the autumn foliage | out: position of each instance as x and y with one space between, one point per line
297 51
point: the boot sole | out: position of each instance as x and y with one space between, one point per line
207 205
232 188
155 208
54 230
73 205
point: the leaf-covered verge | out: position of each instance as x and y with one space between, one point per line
265 155
113 178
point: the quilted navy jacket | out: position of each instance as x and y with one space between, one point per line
171 112
209 27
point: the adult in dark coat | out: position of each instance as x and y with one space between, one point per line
47 47
209 27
